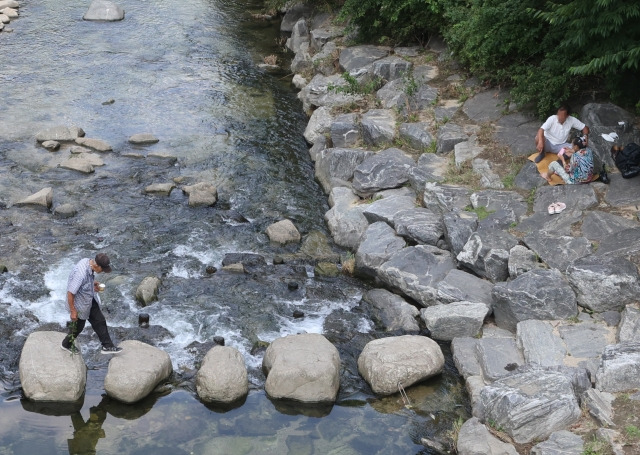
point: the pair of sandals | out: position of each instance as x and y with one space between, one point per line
556 207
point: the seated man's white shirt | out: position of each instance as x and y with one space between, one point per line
557 133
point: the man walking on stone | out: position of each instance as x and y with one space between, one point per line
554 133
84 303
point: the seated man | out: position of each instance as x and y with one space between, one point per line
553 134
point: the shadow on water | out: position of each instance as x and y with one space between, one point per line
188 74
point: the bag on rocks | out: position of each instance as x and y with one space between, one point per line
604 177
628 160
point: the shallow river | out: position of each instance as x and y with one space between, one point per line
186 72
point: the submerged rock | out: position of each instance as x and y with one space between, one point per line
147 291
103 10
49 373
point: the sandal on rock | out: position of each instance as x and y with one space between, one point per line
560 206
552 209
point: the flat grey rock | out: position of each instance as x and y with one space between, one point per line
557 224
475 439
345 131
584 339
521 260
424 98
337 163
143 138
518 131
599 225
391 311
419 225
622 192
96 144
528 177
387 208
65 211
459 285
391 68
629 329
378 127
466 151
561 442
345 219
577 197
539 344
60 133
494 200
558 251
393 95
487 106
443 114
465 350
417 135
384 170
415 271
445 198
599 405
498 357
458 227
322 36
619 369
457 319
430 168
43 198
539 294
424 73
623 243
319 124
486 253
531 405
379 242
318 92
448 136
357 57
604 283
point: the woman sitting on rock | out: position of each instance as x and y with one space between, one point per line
580 166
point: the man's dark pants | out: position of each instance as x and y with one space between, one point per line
97 321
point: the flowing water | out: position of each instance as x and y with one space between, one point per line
188 74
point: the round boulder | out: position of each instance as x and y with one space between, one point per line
302 367
49 373
222 376
136 371
404 360
103 10
283 232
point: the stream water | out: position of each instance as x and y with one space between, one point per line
188 74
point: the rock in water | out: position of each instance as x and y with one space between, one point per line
136 371
48 373
103 10
223 376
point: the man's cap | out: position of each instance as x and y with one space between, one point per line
103 261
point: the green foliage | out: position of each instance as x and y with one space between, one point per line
397 20
481 211
355 87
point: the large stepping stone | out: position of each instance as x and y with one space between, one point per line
136 371
539 294
103 10
302 367
319 124
222 378
357 57
391 68
623 244
494 201
430 168
96 144
539 344
629 328
404 360
518 132
283 232
445 198
345 130
378 127
391 311
465 356
556 225
202 194
416 271
577 197
448 136
458 227
419 225
622 193
531 405
417 135
387 208
392 95
49 373
379 242
143 139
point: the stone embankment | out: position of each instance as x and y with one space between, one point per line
429 187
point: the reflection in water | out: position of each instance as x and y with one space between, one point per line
87 434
